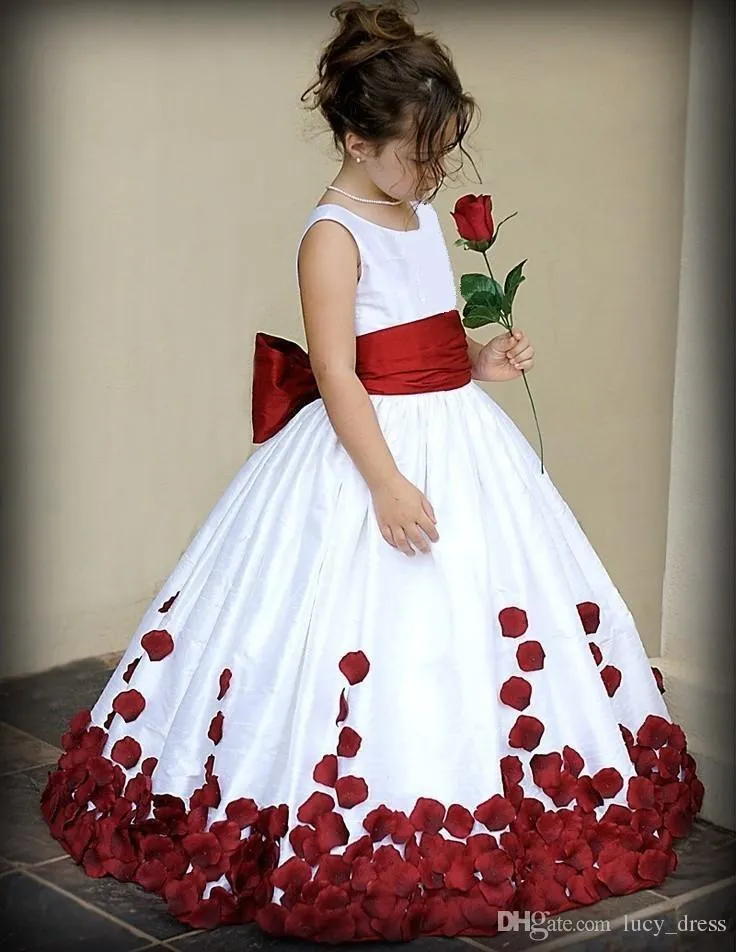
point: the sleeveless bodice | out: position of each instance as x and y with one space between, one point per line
404 276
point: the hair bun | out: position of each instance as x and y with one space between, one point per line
381 25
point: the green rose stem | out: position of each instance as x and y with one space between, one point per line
509 325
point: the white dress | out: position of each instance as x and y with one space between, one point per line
371 746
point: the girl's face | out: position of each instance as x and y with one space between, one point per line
395 169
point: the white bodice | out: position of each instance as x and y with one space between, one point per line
405 275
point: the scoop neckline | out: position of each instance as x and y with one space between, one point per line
395 231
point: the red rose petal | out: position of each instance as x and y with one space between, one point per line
640 793
315 806
157 644
459 821
611 678
496 813
511 770
355 666
530 656
326 771
608 782
546 769
428 815
130 669
215 730
225 678
596 652
590 616
126 752
513 622
243 811
129 704
168 603
343 708
516 693
331 832
526 732
148 766
654 732
351 791
348 743
659 679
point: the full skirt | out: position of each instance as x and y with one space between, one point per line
313 731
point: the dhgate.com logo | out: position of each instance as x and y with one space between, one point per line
538 925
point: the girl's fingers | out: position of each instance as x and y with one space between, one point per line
429 509
417 538
523 357
401 543
430 529
386 533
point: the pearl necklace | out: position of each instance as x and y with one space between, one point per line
369 201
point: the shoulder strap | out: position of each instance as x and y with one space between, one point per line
350 222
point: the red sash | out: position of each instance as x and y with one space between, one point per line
417 357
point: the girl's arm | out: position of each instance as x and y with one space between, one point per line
328 271
474 348
327 281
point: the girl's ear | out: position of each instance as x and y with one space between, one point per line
357 148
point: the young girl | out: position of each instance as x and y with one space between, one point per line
389 689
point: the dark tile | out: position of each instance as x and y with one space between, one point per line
708 942
19 750
24 835
715 905
597 923
708 854
125 901
43 704
35 918
249 937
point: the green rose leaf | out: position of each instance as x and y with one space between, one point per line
511 285
477 315
471 284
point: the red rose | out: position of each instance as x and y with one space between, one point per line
473 216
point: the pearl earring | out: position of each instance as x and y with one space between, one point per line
357 158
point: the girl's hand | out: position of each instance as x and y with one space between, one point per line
504 357
405 515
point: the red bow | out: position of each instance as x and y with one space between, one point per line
283 383
419 356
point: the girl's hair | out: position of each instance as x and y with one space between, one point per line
381 80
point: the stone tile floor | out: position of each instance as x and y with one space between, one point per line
49 904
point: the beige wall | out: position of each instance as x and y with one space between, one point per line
167 170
